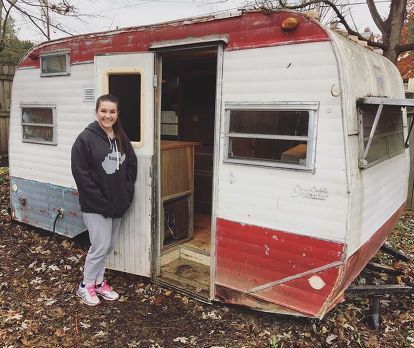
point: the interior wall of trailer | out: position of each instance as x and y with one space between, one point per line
264 196
376 192
50 163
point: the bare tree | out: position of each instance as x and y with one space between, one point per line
38 12
389 27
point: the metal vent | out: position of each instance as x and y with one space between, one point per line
89 95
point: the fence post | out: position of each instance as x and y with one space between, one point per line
6 79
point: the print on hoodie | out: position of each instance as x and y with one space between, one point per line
109 163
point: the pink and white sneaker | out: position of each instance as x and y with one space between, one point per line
88 294
106 291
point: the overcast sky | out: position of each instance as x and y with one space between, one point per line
102 15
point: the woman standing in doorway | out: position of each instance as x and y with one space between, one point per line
104 166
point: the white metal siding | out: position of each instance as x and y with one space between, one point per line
263 196
50 163
378 191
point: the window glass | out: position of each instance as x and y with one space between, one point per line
38 124
42 134
269 122
268 149
37 115
388 139
127 87
270 137
55 64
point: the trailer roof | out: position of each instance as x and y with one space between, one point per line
241 29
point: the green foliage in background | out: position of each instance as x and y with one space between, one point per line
15 48
4 171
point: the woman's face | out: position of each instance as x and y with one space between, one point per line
107 115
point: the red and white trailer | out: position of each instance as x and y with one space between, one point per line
271 152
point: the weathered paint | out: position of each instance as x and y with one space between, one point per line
254 29
248 256
42 201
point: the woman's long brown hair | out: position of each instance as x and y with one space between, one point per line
117 127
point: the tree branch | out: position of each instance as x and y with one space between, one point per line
340 17
32 19
376 16
406 47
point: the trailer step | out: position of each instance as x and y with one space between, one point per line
183 273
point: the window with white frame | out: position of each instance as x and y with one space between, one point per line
279 135
381 130
53 64
39 124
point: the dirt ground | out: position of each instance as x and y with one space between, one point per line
39 273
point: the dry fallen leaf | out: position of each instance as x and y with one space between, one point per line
331 338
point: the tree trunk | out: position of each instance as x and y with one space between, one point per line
391 27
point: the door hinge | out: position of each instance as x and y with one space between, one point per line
155 81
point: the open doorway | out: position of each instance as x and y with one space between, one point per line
188 99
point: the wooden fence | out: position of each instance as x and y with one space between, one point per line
410 196
6 79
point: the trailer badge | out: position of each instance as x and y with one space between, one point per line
320 193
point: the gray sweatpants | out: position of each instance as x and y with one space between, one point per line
103 233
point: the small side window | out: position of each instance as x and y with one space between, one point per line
55 64
38 124
281 135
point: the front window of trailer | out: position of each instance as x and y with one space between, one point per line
381 133
279 135
38 124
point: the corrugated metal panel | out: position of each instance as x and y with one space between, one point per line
48 163
250 256
376 192
264 196
132 251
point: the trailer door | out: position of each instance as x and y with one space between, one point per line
130 77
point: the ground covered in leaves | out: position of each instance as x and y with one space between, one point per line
39 273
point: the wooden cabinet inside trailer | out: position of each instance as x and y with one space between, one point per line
177 190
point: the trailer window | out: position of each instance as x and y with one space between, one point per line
282 136
388 137
55 64
38 124
127 87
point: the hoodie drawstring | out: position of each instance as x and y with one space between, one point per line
116 150
117 156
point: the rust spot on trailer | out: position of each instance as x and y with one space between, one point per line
73 213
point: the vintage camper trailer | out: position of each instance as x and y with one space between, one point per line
271 155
